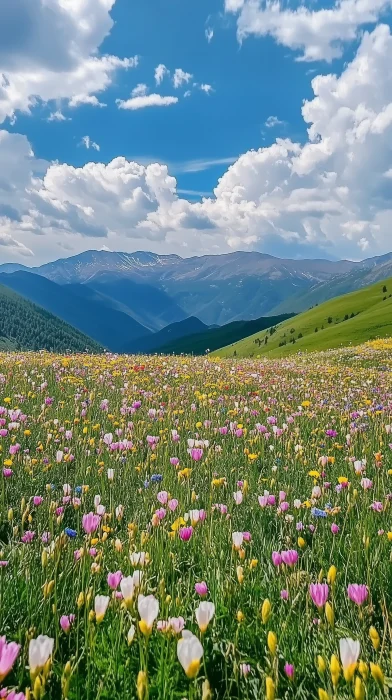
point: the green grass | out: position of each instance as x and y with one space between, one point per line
372 319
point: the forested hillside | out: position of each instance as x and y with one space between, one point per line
25 326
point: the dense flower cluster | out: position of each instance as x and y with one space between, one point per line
196 528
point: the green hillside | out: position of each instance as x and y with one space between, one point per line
25 326
349 319
213 338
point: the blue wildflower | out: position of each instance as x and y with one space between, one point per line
71 533
156 478
318 513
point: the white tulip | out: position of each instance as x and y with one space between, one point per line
349 653
148 608
139 558
189 653
137 578
194 515
100 606
238 539
204 614
40 650
127 587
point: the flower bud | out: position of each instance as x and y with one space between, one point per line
269 688
375 637
359 689
272 642
321 665
329 613
323 695
206 693
265 611
334 667
363 669
141 685
377 674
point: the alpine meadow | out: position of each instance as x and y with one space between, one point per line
195 349
192 528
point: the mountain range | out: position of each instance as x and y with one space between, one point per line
142 302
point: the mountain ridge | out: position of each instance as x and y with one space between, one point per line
158 290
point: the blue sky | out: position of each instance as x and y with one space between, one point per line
249 58
251 82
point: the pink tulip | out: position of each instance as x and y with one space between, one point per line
28 537
114 580
289 671
162 497
276 559
172 504
177 624
8 654
185 533
65 623
357 592
319 593
196 453
201 588
290 557
90 522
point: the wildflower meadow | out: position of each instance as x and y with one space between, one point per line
177 527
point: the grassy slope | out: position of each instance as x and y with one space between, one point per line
215 338
373 319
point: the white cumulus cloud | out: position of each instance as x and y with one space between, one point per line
180 77
57 116
160 72
318 33
83 99
273 121
55 56
88 143
330 195
143 101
